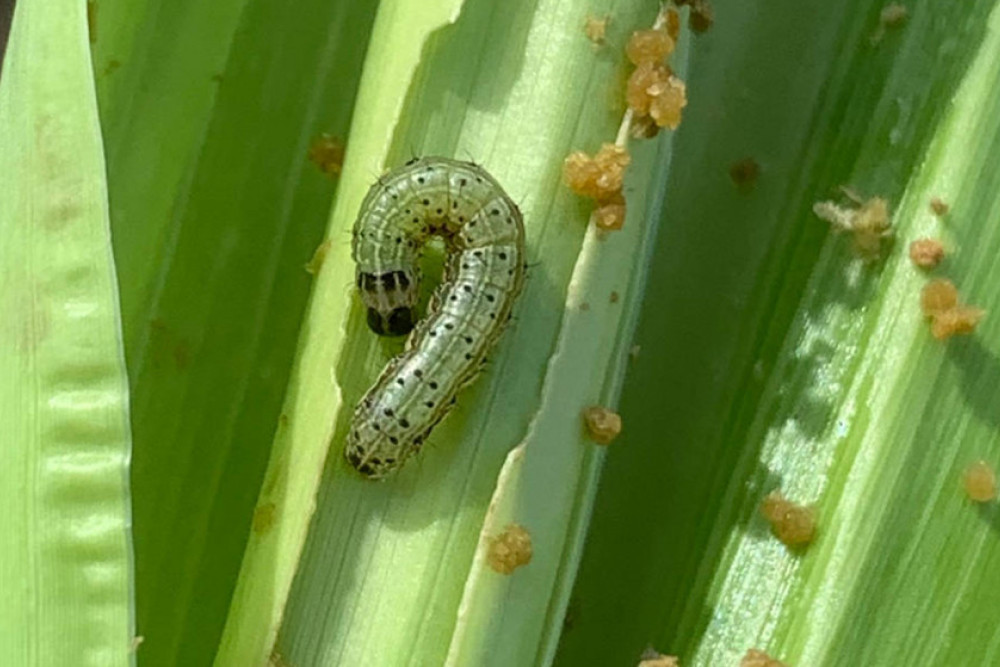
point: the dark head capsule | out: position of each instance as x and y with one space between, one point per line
398 322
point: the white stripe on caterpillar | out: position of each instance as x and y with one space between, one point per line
483 275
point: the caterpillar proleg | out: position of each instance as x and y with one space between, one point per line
484 272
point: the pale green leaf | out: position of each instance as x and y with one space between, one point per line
384 566
65 551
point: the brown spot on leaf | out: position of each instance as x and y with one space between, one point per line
745 172
926 253
264 517
327 153
939 207
603 425
980 482
793 524
595 28
757 658
509 550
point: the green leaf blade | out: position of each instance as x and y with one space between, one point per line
65 555
383 569
792 366
216 208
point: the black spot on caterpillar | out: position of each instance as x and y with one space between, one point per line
484 272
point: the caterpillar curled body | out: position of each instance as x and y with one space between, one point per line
484 272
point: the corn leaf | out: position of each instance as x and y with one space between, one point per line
383 567
773 358
65 551
210 110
